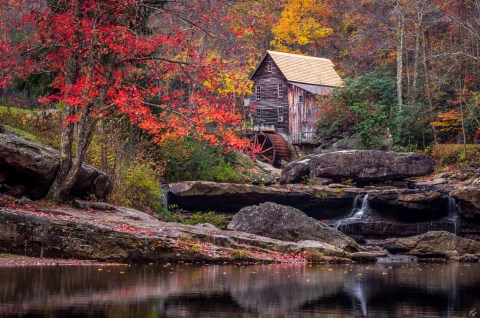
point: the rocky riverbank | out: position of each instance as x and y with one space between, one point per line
352 205
125 235
121 235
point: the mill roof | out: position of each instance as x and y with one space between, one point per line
306 69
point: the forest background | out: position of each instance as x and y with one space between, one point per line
152 91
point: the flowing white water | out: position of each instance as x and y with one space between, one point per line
453 215
357 212
364 208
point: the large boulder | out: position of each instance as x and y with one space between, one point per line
31 167
468 199
360 166
371 165
288 224
295 171
433 244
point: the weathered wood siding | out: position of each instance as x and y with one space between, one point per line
269 102
302 115
299 118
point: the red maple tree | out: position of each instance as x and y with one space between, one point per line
135 57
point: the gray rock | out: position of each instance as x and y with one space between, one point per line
295 171
275 172
81 204
288 224
438 181
469 258
231 197
409 199
322 247
125 234
36 166
24 156
459 176
444 175
370 165
323 181
433 244
368 256
207 226
468 199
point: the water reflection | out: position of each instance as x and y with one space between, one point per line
423 290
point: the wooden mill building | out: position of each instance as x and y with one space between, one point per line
284 99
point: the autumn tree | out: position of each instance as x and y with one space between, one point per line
302 23
131 57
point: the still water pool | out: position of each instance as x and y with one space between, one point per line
399 290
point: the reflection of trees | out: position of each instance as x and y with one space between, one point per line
279 289
270 290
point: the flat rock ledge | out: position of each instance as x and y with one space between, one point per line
126 235
231 197
435 244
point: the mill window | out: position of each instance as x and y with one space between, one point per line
280 114
300 99
269 67
258 92
280 90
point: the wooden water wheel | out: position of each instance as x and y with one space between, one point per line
273 148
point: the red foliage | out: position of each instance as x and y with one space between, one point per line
476 136
106 59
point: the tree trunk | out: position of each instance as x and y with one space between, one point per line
464 135
86 127
400 49
56 191
427 84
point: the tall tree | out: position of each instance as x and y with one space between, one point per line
131 57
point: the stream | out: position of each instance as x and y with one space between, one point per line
200 290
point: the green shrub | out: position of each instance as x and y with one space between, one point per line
454 154
219 220
313 256
363 106
190 159
138 187
167 215
240 254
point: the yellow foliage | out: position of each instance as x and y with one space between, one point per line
301 23
230 80
448 121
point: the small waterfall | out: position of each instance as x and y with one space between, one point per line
163 196
357 204
360 206
453 215
363 208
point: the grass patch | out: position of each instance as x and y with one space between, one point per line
45 131
240 254
219 220
14 110
25 134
